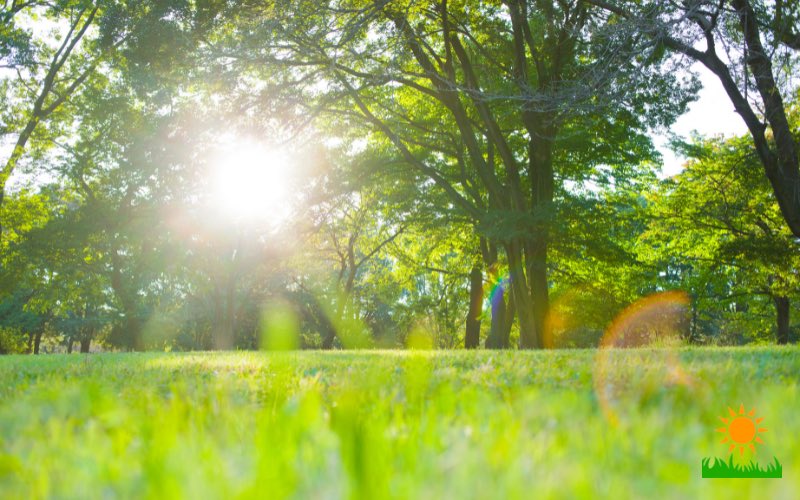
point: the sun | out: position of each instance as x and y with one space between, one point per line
741 430
252 182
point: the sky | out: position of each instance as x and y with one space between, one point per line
711 114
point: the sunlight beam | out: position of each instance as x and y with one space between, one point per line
250 182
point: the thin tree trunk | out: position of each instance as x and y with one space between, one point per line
782 308
473 333
70 344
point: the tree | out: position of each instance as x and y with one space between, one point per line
48 75
23 279
718 217
52 67
750 46
481 106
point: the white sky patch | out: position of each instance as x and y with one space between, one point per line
47 31
711 115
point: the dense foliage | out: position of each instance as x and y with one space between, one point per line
460 173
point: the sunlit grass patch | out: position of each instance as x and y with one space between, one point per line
719 469
386 424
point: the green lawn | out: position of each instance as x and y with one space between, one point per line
634 423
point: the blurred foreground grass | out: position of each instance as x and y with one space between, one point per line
628 423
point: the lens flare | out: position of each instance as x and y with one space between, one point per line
500 285
563 324
637 359
252 182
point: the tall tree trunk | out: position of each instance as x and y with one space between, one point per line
782 309
783 165
70 344
328 333
133 330
528 334
540 160
132 326
326 326
540 292
37 340
86 343
473 334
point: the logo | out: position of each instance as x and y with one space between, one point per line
741 433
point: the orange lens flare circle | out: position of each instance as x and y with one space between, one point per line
637 359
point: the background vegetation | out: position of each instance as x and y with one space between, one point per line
474 173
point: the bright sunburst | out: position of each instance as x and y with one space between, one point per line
741 429
251 182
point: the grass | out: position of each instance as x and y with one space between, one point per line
633 423
720 469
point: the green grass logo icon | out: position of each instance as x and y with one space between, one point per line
721 469
741 430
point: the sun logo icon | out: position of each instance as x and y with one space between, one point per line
741 430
